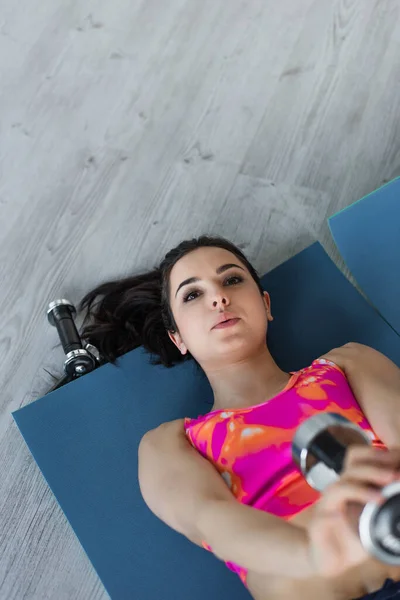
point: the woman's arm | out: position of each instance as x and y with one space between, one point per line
375 382
185 491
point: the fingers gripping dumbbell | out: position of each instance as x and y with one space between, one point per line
318 448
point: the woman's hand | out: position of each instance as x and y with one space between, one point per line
334 543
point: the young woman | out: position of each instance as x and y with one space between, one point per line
226 480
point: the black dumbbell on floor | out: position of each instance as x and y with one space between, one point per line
80 358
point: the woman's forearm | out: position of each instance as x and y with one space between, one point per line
255 539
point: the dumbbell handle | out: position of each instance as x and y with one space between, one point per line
328 449
60 314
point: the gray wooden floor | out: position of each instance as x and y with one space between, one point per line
127 126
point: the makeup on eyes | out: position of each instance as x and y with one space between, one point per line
193 290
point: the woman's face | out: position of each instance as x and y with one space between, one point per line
198 306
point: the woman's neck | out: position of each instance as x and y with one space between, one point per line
247 382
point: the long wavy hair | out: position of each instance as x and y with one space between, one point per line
124 314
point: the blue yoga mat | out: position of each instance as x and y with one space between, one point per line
84 436
367 234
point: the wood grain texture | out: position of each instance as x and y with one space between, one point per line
126 127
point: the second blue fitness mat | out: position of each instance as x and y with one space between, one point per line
367 234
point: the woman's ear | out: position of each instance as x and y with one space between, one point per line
267 301
177 340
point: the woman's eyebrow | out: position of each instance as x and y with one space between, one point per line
219 270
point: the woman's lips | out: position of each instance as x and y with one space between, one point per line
228 323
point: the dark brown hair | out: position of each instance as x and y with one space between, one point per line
135 311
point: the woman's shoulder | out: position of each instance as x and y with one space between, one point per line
166 429
175 426
324 364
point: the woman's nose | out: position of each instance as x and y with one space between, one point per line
221 300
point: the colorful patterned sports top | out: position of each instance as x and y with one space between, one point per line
251 447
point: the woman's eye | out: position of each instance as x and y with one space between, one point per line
237 277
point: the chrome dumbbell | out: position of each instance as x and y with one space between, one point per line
318 448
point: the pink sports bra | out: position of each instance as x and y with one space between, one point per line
251 447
